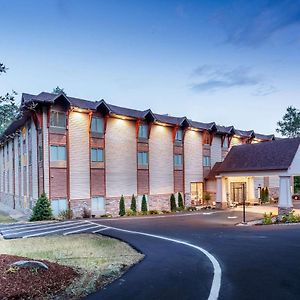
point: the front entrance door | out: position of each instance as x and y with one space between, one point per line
238 192
196 193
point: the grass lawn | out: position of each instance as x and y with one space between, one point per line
5 219
99 259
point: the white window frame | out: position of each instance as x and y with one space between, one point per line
57 156
97 125
97 206
54 119
143 131
143 158
62 205
99 155
179 135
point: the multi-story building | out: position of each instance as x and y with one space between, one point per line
85 153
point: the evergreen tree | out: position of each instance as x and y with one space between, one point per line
290 124
58 90
42 209
122 206
180 201
173 203
133 203
144 205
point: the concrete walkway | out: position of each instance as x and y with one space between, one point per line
261 209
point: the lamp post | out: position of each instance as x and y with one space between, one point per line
244 206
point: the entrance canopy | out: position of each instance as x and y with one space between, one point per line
276 158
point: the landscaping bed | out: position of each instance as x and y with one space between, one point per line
92 260
32 283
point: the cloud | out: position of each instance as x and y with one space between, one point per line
252 25
212 78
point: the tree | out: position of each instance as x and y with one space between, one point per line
122 206
58 90
297 184
144 205
180 201
173 203
8 108
290 124
133 204
42 209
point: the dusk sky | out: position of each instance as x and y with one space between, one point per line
232 62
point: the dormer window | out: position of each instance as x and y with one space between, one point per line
179 135
97 125
58 119
143 131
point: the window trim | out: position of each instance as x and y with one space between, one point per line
206 161
101 125
56 114
57 147
140 154
181 160
97 149
145 131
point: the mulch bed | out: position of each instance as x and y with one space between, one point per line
26 283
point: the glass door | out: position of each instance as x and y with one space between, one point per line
196 193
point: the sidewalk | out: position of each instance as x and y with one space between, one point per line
261 209
13 213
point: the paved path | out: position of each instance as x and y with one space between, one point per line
258 262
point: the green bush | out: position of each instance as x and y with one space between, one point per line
173 203
153 212
144 205
42 209
165 211
180 201
133 204
206 198
267 220
122 206
291 218
130 212
264 195
191 208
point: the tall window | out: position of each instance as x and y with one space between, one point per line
143 158
206 161
58 205
58 119
97 125
30 157
178 136
97 155
40 153
98 204
57 153
178 160
143 131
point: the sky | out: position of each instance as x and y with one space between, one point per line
232 62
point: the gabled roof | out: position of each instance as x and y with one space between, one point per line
244 133
203 126
264 137
128 112
274 155
214 171
225 129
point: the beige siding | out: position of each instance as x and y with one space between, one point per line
34 162
79 156
46 152
16 166
216 150
161 160
10 166
121 158
193 165
1 170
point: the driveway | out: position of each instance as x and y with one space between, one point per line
255 262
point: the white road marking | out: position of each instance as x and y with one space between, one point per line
102 229
207 213
216 283
55 230
36 226
84 229
233 217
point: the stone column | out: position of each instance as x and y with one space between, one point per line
285 204
221 201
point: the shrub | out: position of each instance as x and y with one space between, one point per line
206 198
191 208
65 214
267 220
133 204
144 205
122 206
153 212
180 201
130 212
173 203
42 209
86 213
264 195
106 216
291 218
165 211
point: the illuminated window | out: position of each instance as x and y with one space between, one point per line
206 161
143 158
58 119
97 125
143 131
57 153
97 155
178 160
178 136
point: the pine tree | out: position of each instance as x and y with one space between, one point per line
42 209
122 206
180 201
144 205
133 204
173 203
